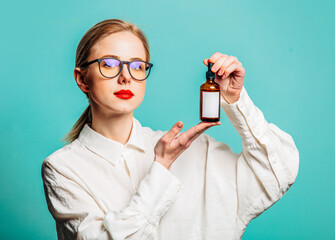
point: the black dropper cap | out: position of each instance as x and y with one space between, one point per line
209 73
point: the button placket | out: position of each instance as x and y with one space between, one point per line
124 156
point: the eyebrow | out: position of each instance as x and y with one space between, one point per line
131 59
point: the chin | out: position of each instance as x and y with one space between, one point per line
122 106
126 107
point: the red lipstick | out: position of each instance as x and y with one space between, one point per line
124 94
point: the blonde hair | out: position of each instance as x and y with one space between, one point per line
92 36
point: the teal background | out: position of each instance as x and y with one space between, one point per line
286 47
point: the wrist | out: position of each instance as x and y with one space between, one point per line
164 163
231 99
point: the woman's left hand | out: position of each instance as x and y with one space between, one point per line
229 74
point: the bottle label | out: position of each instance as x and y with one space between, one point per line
210 104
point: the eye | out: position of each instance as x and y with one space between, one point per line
110 63
136 65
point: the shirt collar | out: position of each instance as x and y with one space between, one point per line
108 148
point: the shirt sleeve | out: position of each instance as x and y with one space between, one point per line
268 164
78 215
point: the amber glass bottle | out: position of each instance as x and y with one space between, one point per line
210 98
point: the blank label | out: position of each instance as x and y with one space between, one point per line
210 104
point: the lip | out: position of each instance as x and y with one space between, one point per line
124 94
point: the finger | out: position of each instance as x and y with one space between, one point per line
199 127
205 61
201 132
217 65
213 58
183 138
226 64
232 67
170 135
239 70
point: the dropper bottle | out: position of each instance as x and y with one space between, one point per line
210 98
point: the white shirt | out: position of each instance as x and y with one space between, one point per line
97 188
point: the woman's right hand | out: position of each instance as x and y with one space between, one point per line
169 147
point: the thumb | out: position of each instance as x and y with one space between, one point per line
170 135
205 61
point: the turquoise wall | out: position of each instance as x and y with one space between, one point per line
286 47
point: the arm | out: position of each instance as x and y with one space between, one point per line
79 215
268 164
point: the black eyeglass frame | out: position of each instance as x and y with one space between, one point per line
99 60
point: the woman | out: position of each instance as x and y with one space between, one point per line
118 180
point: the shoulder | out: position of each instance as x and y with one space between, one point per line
60 156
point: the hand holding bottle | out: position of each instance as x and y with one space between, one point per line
229 75
169 147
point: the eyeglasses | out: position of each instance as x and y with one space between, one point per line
111 67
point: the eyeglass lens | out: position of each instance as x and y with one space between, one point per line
110 67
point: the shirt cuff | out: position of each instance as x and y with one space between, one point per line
247 119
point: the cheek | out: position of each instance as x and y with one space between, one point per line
101 90
99 85
141 89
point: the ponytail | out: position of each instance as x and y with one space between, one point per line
86 117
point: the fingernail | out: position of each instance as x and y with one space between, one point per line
179 124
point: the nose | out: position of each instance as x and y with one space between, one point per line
124 76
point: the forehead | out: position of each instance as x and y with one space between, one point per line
125 45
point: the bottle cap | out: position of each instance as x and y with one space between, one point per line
209 73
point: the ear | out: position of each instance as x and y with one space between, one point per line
79 77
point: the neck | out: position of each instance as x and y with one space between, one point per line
116 127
